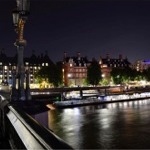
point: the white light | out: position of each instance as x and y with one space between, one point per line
103 75
70 65
69 75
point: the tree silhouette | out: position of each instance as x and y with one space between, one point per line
94 73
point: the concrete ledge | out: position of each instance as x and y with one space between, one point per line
24 132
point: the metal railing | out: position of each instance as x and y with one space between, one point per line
23 132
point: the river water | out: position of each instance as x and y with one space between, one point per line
123 125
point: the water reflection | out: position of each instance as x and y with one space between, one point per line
115 125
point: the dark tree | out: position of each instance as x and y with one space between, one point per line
94 73
58 74
51 74
124 75
116 75
146 74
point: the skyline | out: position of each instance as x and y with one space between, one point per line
93 28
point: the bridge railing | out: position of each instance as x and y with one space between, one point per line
23 132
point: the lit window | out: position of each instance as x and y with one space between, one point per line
42 64
14 67
104 66
46 64
70 65
0 63
69 75
5 67
27 63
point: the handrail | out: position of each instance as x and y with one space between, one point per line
31 133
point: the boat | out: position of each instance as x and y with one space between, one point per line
101 100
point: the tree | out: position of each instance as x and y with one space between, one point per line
116 75
124 75
94 73
146 74
58 76
50 74
42 75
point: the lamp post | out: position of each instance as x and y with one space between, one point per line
20 15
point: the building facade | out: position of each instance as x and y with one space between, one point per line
74 70
32 64
108 63
141 65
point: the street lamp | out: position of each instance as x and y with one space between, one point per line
20 15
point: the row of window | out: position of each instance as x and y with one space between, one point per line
78 64
77 70
114 65
26 63
77 75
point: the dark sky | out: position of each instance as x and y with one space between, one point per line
93 27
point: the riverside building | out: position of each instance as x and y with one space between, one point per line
74 70
107 63
32 63
141 65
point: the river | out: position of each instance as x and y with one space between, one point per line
123 125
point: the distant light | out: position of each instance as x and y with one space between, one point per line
103 75
146 61
69 75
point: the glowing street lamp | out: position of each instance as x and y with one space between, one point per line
20 15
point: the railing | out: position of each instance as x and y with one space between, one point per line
23 132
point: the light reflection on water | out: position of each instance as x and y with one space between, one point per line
116 125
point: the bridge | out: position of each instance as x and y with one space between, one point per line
20 131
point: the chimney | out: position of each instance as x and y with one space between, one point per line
78 54
107 56
65 54
120 56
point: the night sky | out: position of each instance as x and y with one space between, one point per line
92 27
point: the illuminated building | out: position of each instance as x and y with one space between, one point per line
74 70
32 63
108 63
141 65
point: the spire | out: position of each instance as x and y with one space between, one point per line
65 54
78 54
